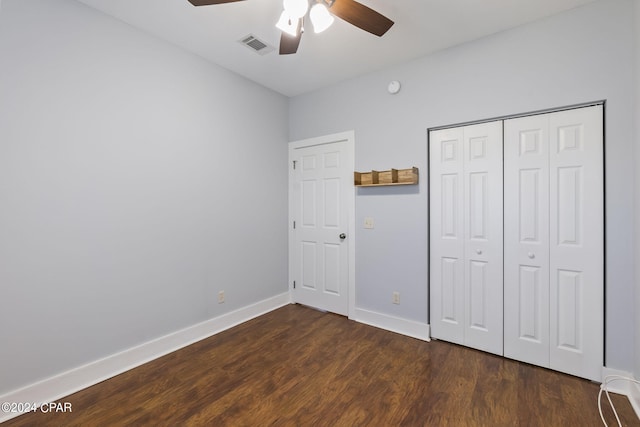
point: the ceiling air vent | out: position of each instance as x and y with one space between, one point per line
256 45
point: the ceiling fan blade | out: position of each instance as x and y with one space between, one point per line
361 16
288 43
210 2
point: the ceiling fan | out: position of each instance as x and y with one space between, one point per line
321 14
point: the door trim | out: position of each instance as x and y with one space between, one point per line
347 137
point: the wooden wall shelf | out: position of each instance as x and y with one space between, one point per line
387 177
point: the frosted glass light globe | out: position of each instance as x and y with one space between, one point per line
320 18
296 9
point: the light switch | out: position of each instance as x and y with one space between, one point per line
368 222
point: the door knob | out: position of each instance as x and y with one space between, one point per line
342 236
479 251
531 255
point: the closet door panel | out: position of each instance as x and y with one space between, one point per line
483 236
446 258
577 241
526 239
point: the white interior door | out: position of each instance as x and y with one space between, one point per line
465 193
321 216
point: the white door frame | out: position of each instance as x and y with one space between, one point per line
348 138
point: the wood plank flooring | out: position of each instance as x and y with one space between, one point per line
300 367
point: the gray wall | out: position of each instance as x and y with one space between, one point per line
582 55
136 181
637 182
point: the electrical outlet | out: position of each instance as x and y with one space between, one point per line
396 298
220 297
368 222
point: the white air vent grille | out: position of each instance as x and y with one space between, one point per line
256 45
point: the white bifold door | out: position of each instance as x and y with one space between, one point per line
554 229
517 260
466 235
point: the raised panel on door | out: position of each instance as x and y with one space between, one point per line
483 236
446 263
307 260
526 239
308 267
577 241
332 268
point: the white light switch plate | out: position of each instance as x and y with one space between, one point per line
368 222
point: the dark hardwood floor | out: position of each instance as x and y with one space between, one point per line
301 367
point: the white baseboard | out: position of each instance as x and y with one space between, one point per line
69 382
620 387
410 328
634 398
627 388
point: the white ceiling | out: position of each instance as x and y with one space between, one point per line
341 52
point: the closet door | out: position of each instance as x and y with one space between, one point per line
526 239
483 237
446 230
577 241
554 241
466 235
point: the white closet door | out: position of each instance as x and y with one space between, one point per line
577 241
483 267
554 241
446 259
466 235
526 239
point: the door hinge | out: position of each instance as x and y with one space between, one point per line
294 284
294 225
294 164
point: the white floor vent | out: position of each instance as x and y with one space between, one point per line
256 45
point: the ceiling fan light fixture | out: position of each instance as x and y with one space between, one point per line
287 24
320 17
296 8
